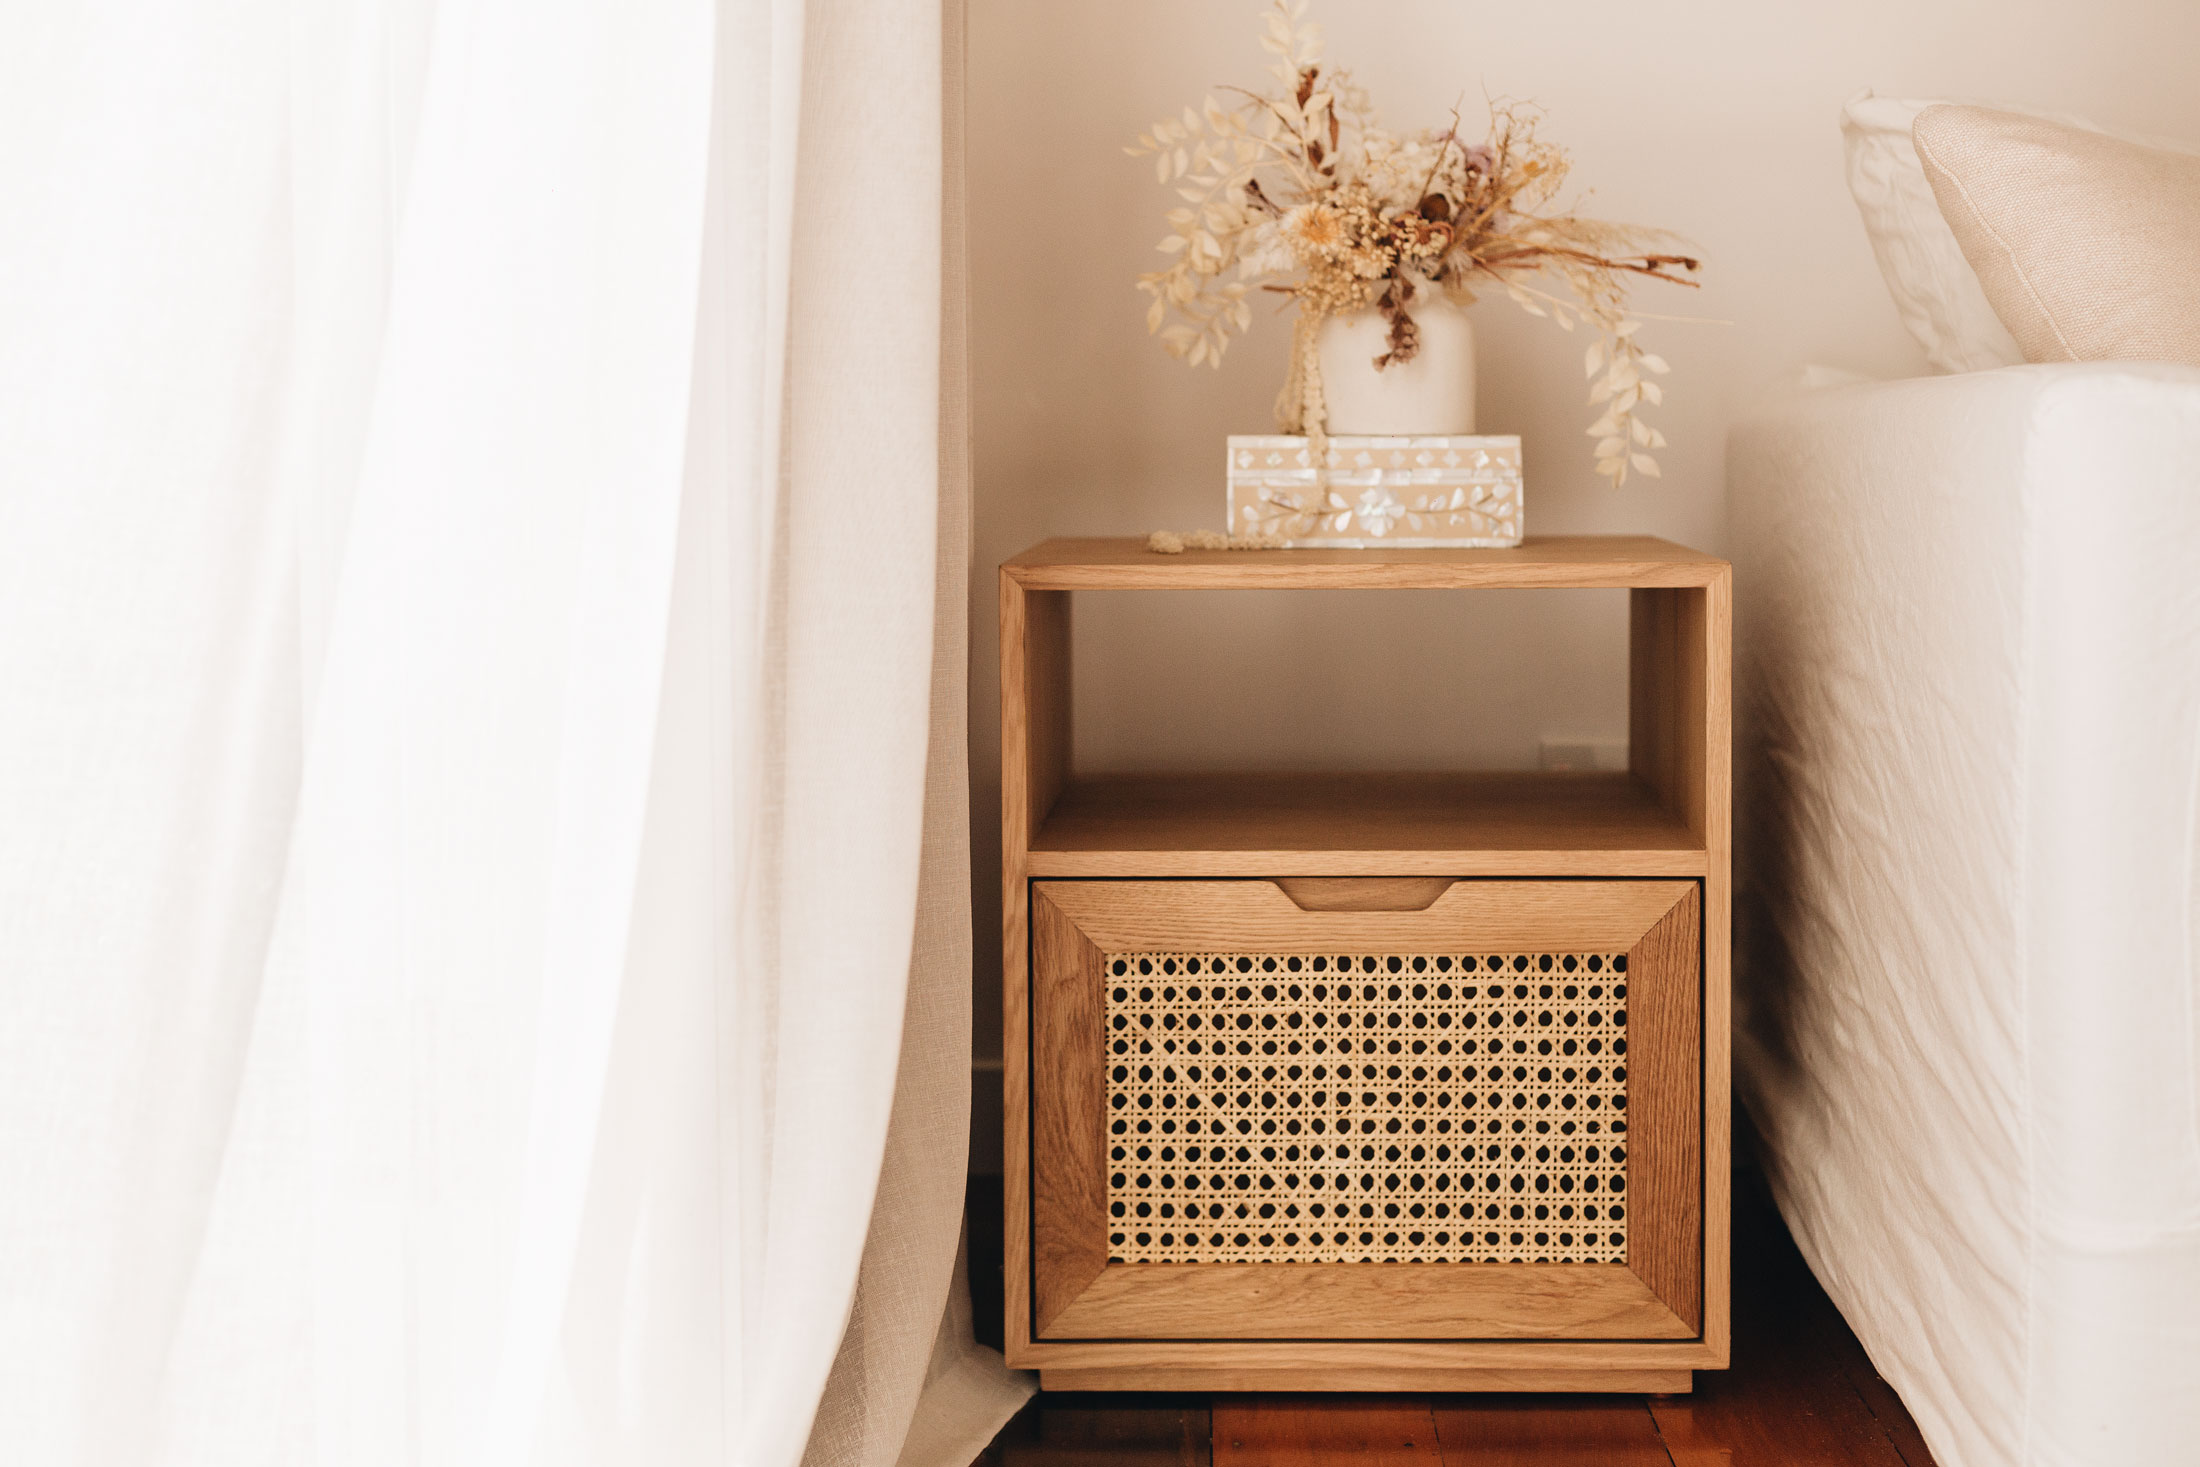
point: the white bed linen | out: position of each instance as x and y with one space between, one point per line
1968 620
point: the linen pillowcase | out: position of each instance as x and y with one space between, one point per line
1935 292
2088 247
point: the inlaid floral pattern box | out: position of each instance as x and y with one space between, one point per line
1452 489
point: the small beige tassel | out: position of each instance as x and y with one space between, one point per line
1172 542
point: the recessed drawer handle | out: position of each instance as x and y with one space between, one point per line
1364 893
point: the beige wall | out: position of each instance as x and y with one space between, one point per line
1715 118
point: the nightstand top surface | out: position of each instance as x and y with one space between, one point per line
1574 561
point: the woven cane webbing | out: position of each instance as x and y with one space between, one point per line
1324 1107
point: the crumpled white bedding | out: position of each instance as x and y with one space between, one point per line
1968 1023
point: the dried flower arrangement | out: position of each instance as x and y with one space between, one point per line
1297 190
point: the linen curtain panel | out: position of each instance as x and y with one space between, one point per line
483 887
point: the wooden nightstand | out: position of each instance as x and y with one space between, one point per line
1362 1081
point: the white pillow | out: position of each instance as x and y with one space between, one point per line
1935 291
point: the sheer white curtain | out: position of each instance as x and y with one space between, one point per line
481 883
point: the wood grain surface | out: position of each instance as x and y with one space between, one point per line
1069 1194
1475 824
1364 893
1049 742
1668 649
1665 1112
1573 1357
1359 1301
1256 916
1588 1431
1362 1378
1581 561
1316 1431
1017 824
1718 925
1106 1431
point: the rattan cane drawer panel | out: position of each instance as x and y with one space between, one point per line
1168 1016
1330 1107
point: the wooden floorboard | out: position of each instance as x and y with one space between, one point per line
1894 1418
1315 1431
1576 1431
1075 1430
1801 1393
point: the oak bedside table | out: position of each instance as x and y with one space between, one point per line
1363 1081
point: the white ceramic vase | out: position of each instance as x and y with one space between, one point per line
1433 393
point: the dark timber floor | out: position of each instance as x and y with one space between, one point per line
1801 1394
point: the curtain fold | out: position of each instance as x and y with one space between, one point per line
911 1304
484 537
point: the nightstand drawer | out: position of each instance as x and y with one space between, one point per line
1336 1109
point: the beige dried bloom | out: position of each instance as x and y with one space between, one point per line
1316 232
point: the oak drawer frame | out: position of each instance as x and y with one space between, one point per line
1668 817
1078 1294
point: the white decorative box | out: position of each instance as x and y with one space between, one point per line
1451 489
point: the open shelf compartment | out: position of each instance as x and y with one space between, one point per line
1663 817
